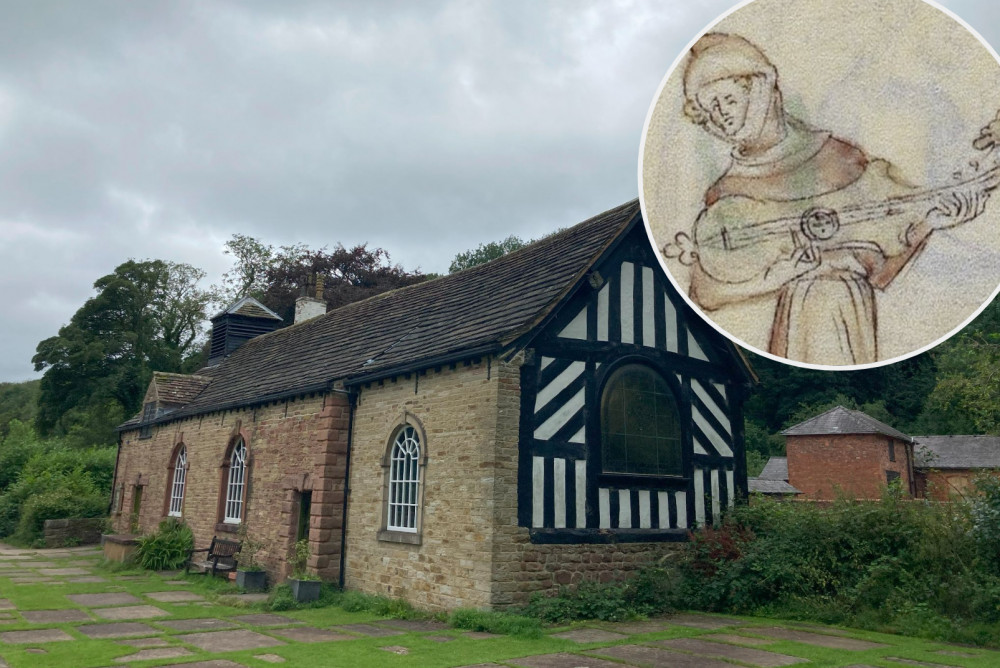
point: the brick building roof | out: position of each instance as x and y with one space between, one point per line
842 420
480 310
957 452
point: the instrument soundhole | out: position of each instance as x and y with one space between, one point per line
819 224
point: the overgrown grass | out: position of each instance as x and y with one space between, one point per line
496 622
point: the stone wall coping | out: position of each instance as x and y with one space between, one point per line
120 538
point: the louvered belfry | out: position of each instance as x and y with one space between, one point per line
238 324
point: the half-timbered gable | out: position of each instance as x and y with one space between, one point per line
626 315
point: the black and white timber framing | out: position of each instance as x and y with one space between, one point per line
626 311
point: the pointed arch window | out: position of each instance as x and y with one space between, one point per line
236 483
404 482
177 485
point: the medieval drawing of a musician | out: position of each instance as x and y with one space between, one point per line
800 214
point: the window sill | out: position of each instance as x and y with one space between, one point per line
403 537
223 527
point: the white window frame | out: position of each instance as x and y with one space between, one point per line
403 501
177 486
236 484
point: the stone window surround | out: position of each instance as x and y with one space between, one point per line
613 478
179 447
386 534
221 525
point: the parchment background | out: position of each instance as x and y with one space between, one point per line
901 79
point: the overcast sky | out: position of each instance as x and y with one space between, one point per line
159 129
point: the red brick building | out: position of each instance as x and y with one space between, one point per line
556 415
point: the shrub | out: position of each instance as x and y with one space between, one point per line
646 594
489 621
167 548
300 558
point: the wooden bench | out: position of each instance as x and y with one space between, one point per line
220 557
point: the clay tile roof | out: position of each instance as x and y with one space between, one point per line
475 311
249 306
775 469
842 420
957 452
762 486
177 388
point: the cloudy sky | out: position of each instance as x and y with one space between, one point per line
157 130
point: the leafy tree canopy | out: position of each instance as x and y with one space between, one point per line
486 252
147 315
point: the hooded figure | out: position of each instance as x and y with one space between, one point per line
823 277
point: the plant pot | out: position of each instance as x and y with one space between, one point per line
251 580
304 590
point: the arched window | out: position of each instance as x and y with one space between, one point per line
236 483
640 424
177 487
404 481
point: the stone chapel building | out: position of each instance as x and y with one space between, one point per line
555 415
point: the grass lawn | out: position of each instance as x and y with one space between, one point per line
27 606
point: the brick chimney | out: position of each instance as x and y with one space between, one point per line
307 308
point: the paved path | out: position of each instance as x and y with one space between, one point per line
57 607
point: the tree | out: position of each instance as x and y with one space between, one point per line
278 278
18 401
145 316
486 252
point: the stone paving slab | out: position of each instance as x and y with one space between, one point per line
563 660
396 649
641 655
9 620
63 571
144 642
40 635
369 630
265 619
116 630
229 641
952 652
703 621
206 624
414 625
817 639
28 580
914 662
739 640
131 612
6 615
97 600
587 635
55 616
478 665
310 634
168 574
440 638
637 628
86 579
715 650
6 604
39 564
214 663
174 596
269 658
157 653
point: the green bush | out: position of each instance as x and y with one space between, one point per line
56 504
648 593
167 548
489 621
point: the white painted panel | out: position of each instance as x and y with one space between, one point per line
577 437
546 361
730 489
624 509
664 508
537 491
698 448
577 328
717 441
648 310
558 384
559 492
644 515
716 410
604 508
602 313
716 505
699 497
628 323
560 417
721 388
682 509
581 494
694 350
670 315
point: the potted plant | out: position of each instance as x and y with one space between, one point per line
250 575
305 586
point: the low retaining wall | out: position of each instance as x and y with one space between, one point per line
78 531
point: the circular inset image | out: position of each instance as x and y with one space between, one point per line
816 175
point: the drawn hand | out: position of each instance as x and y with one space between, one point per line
956 208
783 270
683 248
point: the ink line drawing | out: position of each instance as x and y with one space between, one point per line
803 215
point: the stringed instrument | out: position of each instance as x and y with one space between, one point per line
738 238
